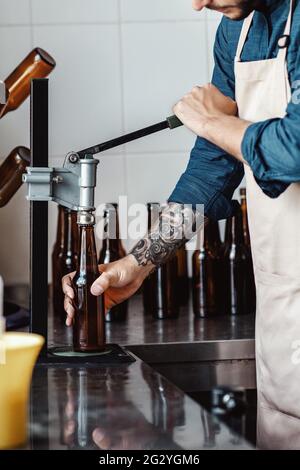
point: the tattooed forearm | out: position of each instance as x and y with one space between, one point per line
175 225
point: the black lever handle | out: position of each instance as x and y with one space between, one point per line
171 122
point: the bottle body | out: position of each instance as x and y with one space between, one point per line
207 273
183 278
38 64
89 320
113 250
160 289
64 256
238 285
247 242
11 171
163 283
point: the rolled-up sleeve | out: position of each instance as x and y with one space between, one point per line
212 176
272 147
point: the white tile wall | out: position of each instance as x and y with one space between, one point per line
85 86
162 61
158 10
14 12
121 64
74 11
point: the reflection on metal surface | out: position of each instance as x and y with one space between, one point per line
120 407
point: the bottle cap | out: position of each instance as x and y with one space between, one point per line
243 192
85 218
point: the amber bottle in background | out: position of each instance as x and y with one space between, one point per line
89 320
244 210
113 250
153 209
206 262
64 256
11 172
238 287
38 64
183 278
247 242
161 293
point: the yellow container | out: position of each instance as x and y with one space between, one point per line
18 354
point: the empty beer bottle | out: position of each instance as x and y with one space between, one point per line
153 209
113 250
38 64
64 256
161 299
206 262
183 278
244 210
11 172
238 288
89 320
247 243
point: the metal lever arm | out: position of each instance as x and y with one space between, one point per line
170 123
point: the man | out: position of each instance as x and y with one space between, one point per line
246 120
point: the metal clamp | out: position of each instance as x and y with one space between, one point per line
3 98
72 186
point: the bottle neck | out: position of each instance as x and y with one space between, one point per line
244 210
111 239
212 235
234 230
88 255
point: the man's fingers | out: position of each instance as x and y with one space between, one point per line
67 285
101 284
68 306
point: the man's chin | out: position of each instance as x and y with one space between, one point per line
236 14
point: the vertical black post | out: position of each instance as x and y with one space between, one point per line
39 213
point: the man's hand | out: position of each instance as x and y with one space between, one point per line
211 115
119 280
202 104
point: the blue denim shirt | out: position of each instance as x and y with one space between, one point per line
272 147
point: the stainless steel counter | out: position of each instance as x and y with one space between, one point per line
135 406
120 407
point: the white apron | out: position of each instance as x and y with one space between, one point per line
263 92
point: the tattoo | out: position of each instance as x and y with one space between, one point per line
174 226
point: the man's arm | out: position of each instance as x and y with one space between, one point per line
271 147
173 228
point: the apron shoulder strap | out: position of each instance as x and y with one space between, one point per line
243 36
284 40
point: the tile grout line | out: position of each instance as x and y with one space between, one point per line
207 55
121 57
31 22
103 23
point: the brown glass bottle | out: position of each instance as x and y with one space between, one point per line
64 256
161 293
183 278
11 172
89 320
113 250
206 262
244 210
238 287
247 242
38 64
153 209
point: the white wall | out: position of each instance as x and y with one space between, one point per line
121 65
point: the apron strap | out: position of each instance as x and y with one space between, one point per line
243 36
284 40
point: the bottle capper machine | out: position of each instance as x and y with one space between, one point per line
71 186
